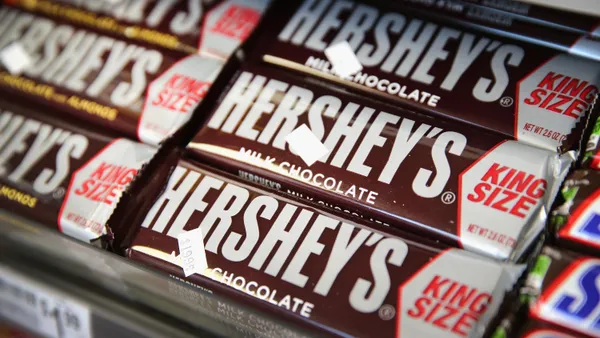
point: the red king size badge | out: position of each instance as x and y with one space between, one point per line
499 193
173 96
96 187
549 102
227 25
447 297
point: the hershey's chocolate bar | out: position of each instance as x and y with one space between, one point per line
499 22
576 222
143 92
545 16
383 163
60 173
319 270
562 290
214 27
528 92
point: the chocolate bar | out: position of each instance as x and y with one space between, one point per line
383 164
591 157
142 92
546 16
212 27
562 291
496 21
576 221
311 267
521 90
60 173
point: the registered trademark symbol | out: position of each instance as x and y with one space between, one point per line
387 312
448 197
506 101
58 193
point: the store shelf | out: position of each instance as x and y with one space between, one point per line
56 287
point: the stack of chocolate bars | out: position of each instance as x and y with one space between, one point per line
368 169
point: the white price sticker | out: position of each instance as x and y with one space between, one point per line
15 58
306 144
41 310
191 252
342 58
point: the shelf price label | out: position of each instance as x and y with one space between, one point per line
41 310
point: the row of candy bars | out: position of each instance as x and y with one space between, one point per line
528 92
559 297
142 90
391 170
69 120
449 138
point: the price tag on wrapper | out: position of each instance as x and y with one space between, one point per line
14 58
343 60
191 252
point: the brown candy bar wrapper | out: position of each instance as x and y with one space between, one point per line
383 164
311 267
144 92
519 89
214 27
511 25
545 16
63 174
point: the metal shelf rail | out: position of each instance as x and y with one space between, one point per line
53 286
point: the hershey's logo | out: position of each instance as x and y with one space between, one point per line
250 97
67 57
563 94
264 224
407 47
106 183
16 133
151 13
509 190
